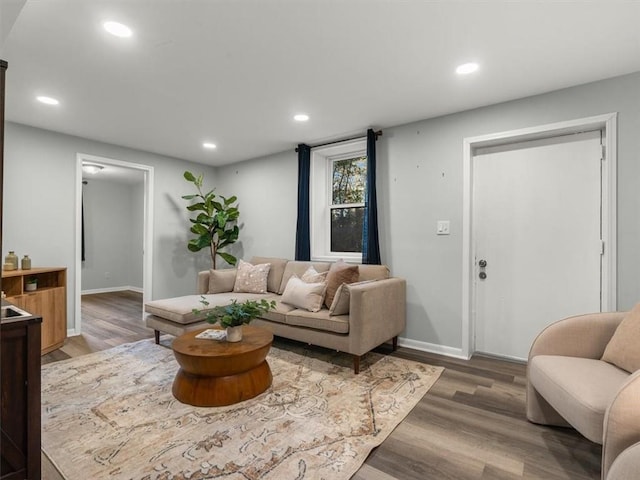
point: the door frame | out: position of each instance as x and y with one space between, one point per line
147 252
608 124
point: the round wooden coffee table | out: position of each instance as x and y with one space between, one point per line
215 373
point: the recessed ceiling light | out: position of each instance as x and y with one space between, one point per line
47 100
301 117
117 29
467 68
209 145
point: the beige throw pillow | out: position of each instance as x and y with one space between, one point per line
304 295
339 273
251 278
342 299
312 276
623 349
222 281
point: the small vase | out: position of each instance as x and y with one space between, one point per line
26 263
234 334
12 259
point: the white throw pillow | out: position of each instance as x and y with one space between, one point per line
308 296
251 278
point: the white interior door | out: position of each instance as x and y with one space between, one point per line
537 223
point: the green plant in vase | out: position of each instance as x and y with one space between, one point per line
215 224
234 315
31 284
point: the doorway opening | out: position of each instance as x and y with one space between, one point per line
144 221
607 221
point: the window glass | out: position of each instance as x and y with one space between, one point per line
346 229
348 181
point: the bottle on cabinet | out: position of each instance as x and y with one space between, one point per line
11 261
26 263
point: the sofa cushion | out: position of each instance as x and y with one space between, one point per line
623 350
319 320
274 279
579 389
251 278
222 281
279 313
339 273
342 299
172 328
311 275
298 267
301 294
373 272
180 309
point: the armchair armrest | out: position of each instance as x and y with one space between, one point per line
377 313
584 336
621 422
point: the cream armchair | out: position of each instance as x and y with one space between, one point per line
568 385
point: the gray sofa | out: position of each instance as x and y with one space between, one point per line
568 384
377 309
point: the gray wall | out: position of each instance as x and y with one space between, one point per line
267 191
113 232
420 182
39 206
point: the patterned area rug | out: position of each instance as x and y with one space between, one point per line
111 415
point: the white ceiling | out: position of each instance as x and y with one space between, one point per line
234 72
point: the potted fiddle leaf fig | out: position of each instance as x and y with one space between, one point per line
215 225
234 315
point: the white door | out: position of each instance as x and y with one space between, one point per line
536 221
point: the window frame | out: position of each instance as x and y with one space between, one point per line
320 196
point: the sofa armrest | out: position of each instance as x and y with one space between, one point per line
621 422
203 282
377 313
584 336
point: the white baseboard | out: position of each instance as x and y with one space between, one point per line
112 289
72 332
432 348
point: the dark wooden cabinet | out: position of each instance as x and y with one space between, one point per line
3 67
20 399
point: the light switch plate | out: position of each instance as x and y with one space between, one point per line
443 227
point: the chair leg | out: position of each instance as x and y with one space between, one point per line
356 364
157 335
395 343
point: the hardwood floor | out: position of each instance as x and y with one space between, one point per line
469 426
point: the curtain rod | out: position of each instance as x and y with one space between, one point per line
378 134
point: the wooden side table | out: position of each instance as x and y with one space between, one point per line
215 373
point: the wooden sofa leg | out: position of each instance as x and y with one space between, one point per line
356 364
157 335
395 343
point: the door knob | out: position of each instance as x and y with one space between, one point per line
482 264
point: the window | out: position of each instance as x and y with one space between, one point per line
337 187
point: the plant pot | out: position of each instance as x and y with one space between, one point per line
30 287
234 334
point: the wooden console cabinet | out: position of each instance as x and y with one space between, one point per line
48 301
